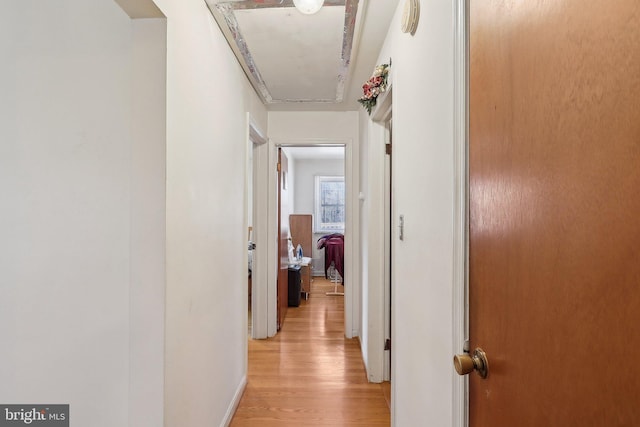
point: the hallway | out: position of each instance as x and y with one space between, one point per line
309 374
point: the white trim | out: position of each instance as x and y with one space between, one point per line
140 9
388 232
231 410
352 220
376 239
460 225
382 111
272 239
352 280
255 133
259 288
376 254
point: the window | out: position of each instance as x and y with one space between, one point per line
329 206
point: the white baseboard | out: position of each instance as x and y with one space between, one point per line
234 403
364 360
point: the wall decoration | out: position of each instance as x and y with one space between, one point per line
373 87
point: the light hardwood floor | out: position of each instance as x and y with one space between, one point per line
309 374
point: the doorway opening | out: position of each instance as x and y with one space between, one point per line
267 322
311 220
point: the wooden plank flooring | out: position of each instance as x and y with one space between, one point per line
309 374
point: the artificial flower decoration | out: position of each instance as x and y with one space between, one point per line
373 87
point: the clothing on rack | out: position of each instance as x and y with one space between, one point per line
333 245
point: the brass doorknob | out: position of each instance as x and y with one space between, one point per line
466 363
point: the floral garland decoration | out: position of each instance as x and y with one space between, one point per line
373 87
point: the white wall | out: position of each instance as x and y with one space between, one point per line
78 144
83 235
423 174
206 315
291 181
148 222
306 171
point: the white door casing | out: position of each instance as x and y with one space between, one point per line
351 250
460 224
258 143
378 262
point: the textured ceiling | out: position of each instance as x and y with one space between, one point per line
305 62
298 55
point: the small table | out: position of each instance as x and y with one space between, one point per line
305 274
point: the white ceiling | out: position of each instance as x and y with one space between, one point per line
306 62
295 53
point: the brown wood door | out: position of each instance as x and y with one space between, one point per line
283 232
555 212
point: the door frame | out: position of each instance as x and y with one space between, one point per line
460 321
388 244
352 227
257 142
379 253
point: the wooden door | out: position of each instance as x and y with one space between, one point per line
555 212
283 232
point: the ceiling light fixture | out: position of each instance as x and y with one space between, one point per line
308 7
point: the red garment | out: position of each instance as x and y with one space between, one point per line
333 245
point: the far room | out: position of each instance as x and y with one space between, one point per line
313 190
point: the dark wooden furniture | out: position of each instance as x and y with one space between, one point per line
301 228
